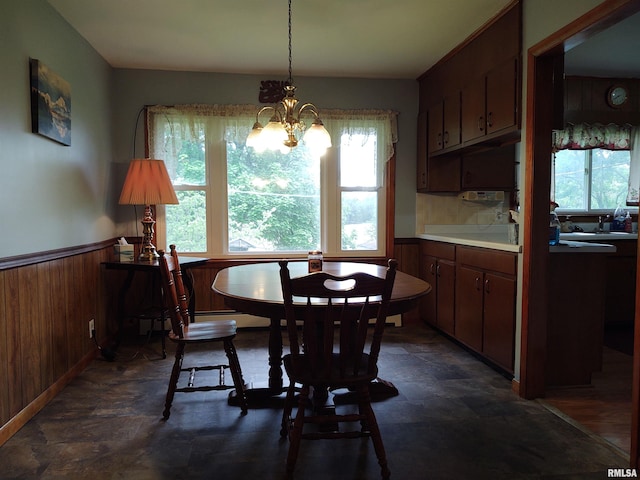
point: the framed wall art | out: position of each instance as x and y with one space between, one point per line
50 103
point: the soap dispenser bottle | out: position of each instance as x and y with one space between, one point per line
628 223
554 229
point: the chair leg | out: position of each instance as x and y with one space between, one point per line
372 426
286 412
173 381
236 373
296 432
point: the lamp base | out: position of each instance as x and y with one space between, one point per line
148 250
148 254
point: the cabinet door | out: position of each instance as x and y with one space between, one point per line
499 319
469 295
441 174
502 108
493 170
445 309
473 121
421 161
435 142
429 302
451 121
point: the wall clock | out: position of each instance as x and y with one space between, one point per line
617 96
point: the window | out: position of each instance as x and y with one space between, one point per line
236 201
589 180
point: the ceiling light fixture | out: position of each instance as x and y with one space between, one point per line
285 124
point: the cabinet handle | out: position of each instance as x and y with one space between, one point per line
486 286
478 283
432 269
490 119
440 140
438 270
480 124
446 137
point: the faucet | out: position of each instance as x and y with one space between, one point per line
601 220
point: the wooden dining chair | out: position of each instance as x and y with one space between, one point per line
184 333
334 347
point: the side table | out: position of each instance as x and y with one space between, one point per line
151 268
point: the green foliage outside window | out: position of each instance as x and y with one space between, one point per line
594 179
273 199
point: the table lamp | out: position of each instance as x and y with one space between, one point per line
147 183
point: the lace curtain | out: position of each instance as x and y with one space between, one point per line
633 197
611 137
237 121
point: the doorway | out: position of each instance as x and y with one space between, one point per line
544 74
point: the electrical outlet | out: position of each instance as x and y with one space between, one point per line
92 327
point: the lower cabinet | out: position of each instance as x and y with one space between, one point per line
473 297
485 306
439 269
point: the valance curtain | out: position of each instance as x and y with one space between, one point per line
584 136
610 137
239 119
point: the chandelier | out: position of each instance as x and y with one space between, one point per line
286 123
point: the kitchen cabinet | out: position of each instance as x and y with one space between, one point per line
620 297
493 169
444 123
438 268
485 303
469 102
435 174
620 282
575 323
489 103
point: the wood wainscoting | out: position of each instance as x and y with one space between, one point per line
46 302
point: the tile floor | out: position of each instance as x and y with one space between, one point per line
455 418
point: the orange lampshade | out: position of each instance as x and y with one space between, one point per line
147 183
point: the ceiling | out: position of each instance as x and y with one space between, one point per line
331 38
610 53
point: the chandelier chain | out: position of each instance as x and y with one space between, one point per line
290 75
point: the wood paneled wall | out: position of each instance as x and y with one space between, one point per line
46 302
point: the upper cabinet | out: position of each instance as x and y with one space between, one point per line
444 123
470 101
490 103
435 174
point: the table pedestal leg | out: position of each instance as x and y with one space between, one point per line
275 384
275 356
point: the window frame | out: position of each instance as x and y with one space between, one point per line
215 190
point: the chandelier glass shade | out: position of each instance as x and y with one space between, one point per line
286 125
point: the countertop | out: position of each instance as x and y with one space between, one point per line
590 236
568 246
485 236
497 237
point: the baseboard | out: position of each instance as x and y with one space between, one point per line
27 413
515 386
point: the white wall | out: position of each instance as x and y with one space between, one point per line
53 196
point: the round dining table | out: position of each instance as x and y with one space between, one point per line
255 289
